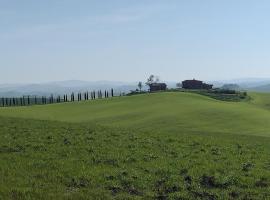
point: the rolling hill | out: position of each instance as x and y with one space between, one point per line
170 145
160 111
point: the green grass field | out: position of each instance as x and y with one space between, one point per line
154 146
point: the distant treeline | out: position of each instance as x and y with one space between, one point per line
35 100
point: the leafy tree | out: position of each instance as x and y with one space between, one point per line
152 79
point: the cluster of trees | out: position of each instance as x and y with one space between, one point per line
152 79
30 100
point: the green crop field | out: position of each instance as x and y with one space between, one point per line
171 145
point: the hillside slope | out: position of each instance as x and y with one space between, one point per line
160 111
158 146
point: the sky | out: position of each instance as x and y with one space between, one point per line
127 40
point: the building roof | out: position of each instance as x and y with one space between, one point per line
193 80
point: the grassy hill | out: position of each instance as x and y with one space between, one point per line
160 112
155 146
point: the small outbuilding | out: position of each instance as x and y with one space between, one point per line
195 84
157 87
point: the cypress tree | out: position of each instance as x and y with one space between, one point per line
3 102
51 100
112 92
35 99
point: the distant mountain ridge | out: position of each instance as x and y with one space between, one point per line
66 87
262 88
63 87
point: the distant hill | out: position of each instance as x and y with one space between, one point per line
252 84
262 88
62 87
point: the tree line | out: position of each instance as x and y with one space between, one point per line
35 100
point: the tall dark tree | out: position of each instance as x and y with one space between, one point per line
52 99
140 85
112 92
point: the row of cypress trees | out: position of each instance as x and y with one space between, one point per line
29 100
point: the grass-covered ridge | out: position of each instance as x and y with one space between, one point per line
160 112
157 146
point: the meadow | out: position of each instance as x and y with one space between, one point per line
153 146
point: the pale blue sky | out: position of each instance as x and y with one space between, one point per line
126 40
